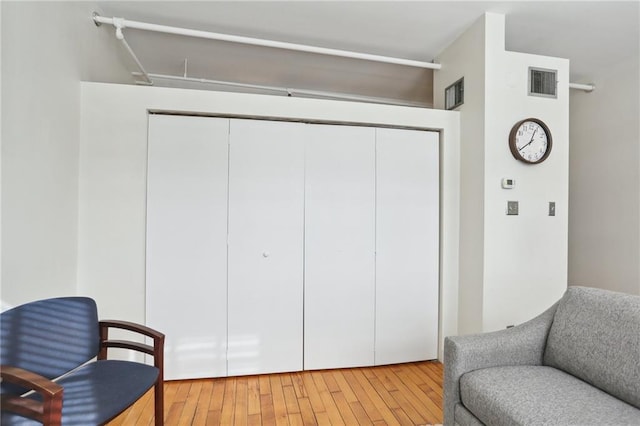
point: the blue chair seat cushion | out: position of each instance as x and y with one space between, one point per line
97 392
526 395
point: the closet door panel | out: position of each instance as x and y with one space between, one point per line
266 201
407 245
186 290
339 247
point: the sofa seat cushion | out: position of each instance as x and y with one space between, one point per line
528 395
96 392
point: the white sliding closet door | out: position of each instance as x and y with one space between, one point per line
339 247
266 216
407 245
186 291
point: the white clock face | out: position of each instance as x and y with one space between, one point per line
531 141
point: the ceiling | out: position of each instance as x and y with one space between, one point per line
593 35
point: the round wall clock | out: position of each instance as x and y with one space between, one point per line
530 141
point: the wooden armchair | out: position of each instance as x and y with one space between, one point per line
46 347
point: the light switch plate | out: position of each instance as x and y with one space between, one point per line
552 208
512 208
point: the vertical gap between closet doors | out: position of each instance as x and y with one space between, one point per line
228 214
375 242
304 238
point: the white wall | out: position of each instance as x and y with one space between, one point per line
604 213
466 58
45 53
511 267
113 158
525 255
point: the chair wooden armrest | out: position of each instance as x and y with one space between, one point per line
156 350
49 411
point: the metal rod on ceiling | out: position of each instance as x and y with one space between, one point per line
262 42
287 91
585 87
119 25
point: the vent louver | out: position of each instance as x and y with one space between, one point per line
543 82
454 95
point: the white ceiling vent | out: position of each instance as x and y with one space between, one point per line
543 82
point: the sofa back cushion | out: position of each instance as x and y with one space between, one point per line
595 336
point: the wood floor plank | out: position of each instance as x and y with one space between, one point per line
344 387
323 419
402 417
360 413
298 385
241 410
434 370
265 384
415 383
374 395
430 378
383 374
279 404
217 395
191 404
296 419
173 416
329 403
420 405
202 408
253 396
368 405
308 416
403 394
229 401
291 400
266 409
385 394
406 407
314 395
285 379
183 391
213 418
253 420
344 408
330 380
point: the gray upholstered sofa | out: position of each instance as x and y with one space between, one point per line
578 363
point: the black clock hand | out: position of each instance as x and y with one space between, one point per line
529 143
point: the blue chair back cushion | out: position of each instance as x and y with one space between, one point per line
49 337
96 392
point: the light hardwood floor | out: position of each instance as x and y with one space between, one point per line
404 394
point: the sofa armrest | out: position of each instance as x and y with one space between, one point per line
48 411
520 345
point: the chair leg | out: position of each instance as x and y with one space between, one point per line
159 402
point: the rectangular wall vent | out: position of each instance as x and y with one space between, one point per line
454 95
543 82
